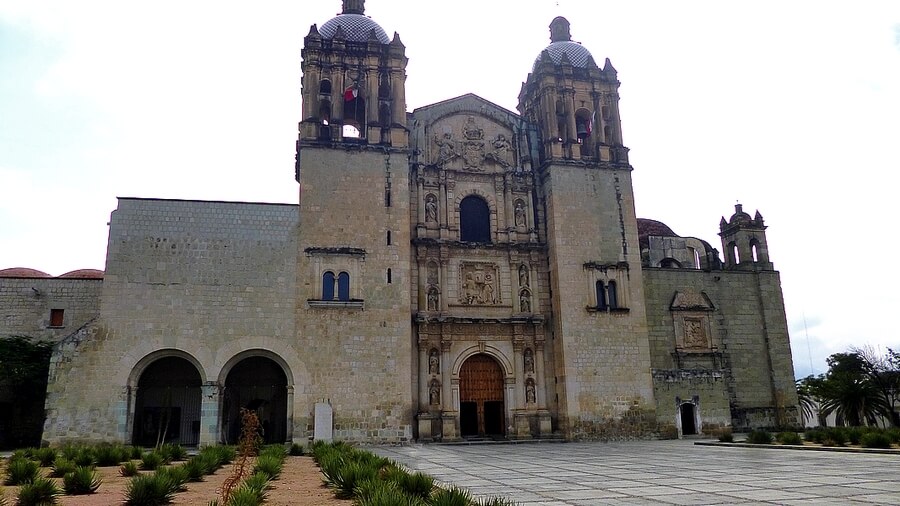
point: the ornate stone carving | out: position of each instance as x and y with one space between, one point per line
501 153
473 146
520 213
529 391
479 283
433 299
529 360
446 149
432 273
523 276
695 333
431 208
434 361
524 300
434 393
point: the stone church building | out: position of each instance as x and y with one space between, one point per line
458 271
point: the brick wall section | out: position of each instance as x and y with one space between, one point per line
362 357
25 305
212 279
751 328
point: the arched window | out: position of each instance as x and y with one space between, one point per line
583 124
754 250
474 220
669 263
695 256
735 255
384 86
601 295
328 286
612 297
325 87
343 286
325 111
384 114
354 113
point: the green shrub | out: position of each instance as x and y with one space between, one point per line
814 435
61 466
275 451
759 437
3 501
40 492
151 460
172 452
149 490
84 457
789 438
269 465
69 451
453 496
875 440
108 455
835 436
129 468
258 481
135 452
195 469
350 475
245 496
176 475
21 471
383 493
495 501
83 480
726 437
415 484
45 456
854 435
296 450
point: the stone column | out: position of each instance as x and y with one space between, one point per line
209 413
424 376
519 365
289 431
444 298
539 380
446 374
125 413
398 89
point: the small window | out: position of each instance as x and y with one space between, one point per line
343 286
612 297
601 295
388 237
56 317
325 87
389 276
475 220
328 286
735 255
754 251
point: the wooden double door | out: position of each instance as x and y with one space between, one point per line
481 403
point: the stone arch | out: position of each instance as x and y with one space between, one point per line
141 365
255 352
489 198
687 417
262 381
495 353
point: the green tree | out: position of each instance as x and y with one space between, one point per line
24 365
883 372
847 391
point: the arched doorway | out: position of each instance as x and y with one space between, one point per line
688 426
481 406
259 384
167 405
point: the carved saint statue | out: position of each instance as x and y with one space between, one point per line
487 291
529 360
524 301
431 208
501 151
432 299
520 213
434 393
523 276
434 362
446 148
529 391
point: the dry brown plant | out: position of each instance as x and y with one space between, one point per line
248 448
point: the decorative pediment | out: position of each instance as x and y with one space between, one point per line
690 300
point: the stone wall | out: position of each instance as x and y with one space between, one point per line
360 349
210 282
25 305
749 352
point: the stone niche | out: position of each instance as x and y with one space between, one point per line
471 143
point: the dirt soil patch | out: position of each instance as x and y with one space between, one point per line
300 484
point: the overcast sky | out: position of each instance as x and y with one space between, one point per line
791 108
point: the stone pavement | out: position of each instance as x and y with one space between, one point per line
656 472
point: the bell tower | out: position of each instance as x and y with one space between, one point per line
353 237
600 336
744 241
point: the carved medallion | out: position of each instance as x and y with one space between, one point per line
695 333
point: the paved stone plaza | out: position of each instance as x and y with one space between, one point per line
657 472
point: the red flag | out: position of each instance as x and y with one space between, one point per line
350 93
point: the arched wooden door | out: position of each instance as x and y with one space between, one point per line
481 407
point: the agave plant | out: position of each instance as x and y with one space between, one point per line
83 480
61 466
40 492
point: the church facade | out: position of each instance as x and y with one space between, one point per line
461 271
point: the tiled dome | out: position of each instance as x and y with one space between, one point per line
23 272
83 274
356 28
561 44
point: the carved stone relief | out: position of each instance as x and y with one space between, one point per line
434 361
473 145
529 360
695 333
446 148
479 283
501 153
529 391
431 208
523 276
520 213
433 297
434 393
524 300
432 273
